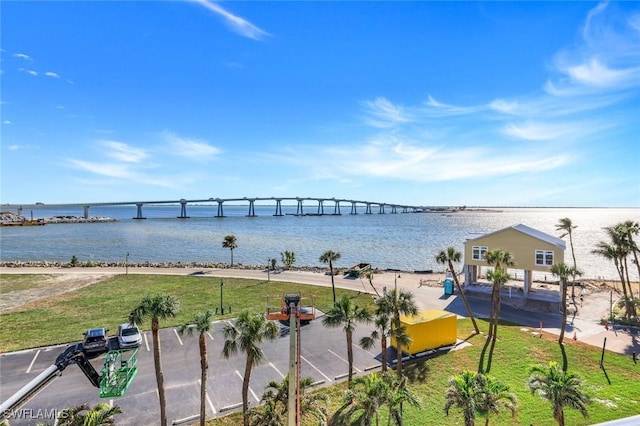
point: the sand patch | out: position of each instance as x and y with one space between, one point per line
50 286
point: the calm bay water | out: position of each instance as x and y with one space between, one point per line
397 241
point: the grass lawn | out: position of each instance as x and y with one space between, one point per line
515 352
62 319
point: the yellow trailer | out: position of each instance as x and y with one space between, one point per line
429 329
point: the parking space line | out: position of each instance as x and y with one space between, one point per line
250 390
213 409
210 336
32 362
146 342
347 362
276 368
178 337
316 368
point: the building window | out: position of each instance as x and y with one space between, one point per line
478 252
544 257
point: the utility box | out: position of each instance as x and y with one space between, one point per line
429 329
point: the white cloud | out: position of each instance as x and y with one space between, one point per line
105 169
52 74
383 113
235 23
123 152
13 147
190 148
6 122
23 56
30 72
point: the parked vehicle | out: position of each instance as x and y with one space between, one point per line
129 336
96 340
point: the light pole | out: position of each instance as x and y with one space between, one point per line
221 305
268 269
126 264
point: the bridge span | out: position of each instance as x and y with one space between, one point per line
315 206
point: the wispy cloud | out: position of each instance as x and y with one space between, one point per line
235 23
123 152
190 148
23 56
382 113
52 74
605 59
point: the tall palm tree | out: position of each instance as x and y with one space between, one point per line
448 257
346 314
492 395
329 257
562 271
230 242
461 394
245 335
632 228
566 226
202 324
498 278
560 388
617 250
383 328
159 307
395 303
83 415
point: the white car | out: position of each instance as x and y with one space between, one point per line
129 336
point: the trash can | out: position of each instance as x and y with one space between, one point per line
448 286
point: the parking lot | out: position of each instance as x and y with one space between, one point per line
323 358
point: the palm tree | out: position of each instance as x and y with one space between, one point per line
383 328
329 257
202 324
492 395
632 228
396 303
367 395
461 393
560 388
447 257
498 278
230 242
83 415
157 308
566 226
312 404
617 250
399 395
248 331
346 314
288 258
562 271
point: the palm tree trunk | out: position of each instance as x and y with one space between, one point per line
463 297
333 287
245 390
383 347
158 367
350 355
563 301
495 319
204 367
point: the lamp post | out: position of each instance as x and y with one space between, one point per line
268 269
221 305
126 264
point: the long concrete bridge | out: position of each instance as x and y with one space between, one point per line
333 206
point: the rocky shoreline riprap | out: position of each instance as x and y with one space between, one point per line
12 219
166 265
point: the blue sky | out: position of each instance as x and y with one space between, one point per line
422 103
